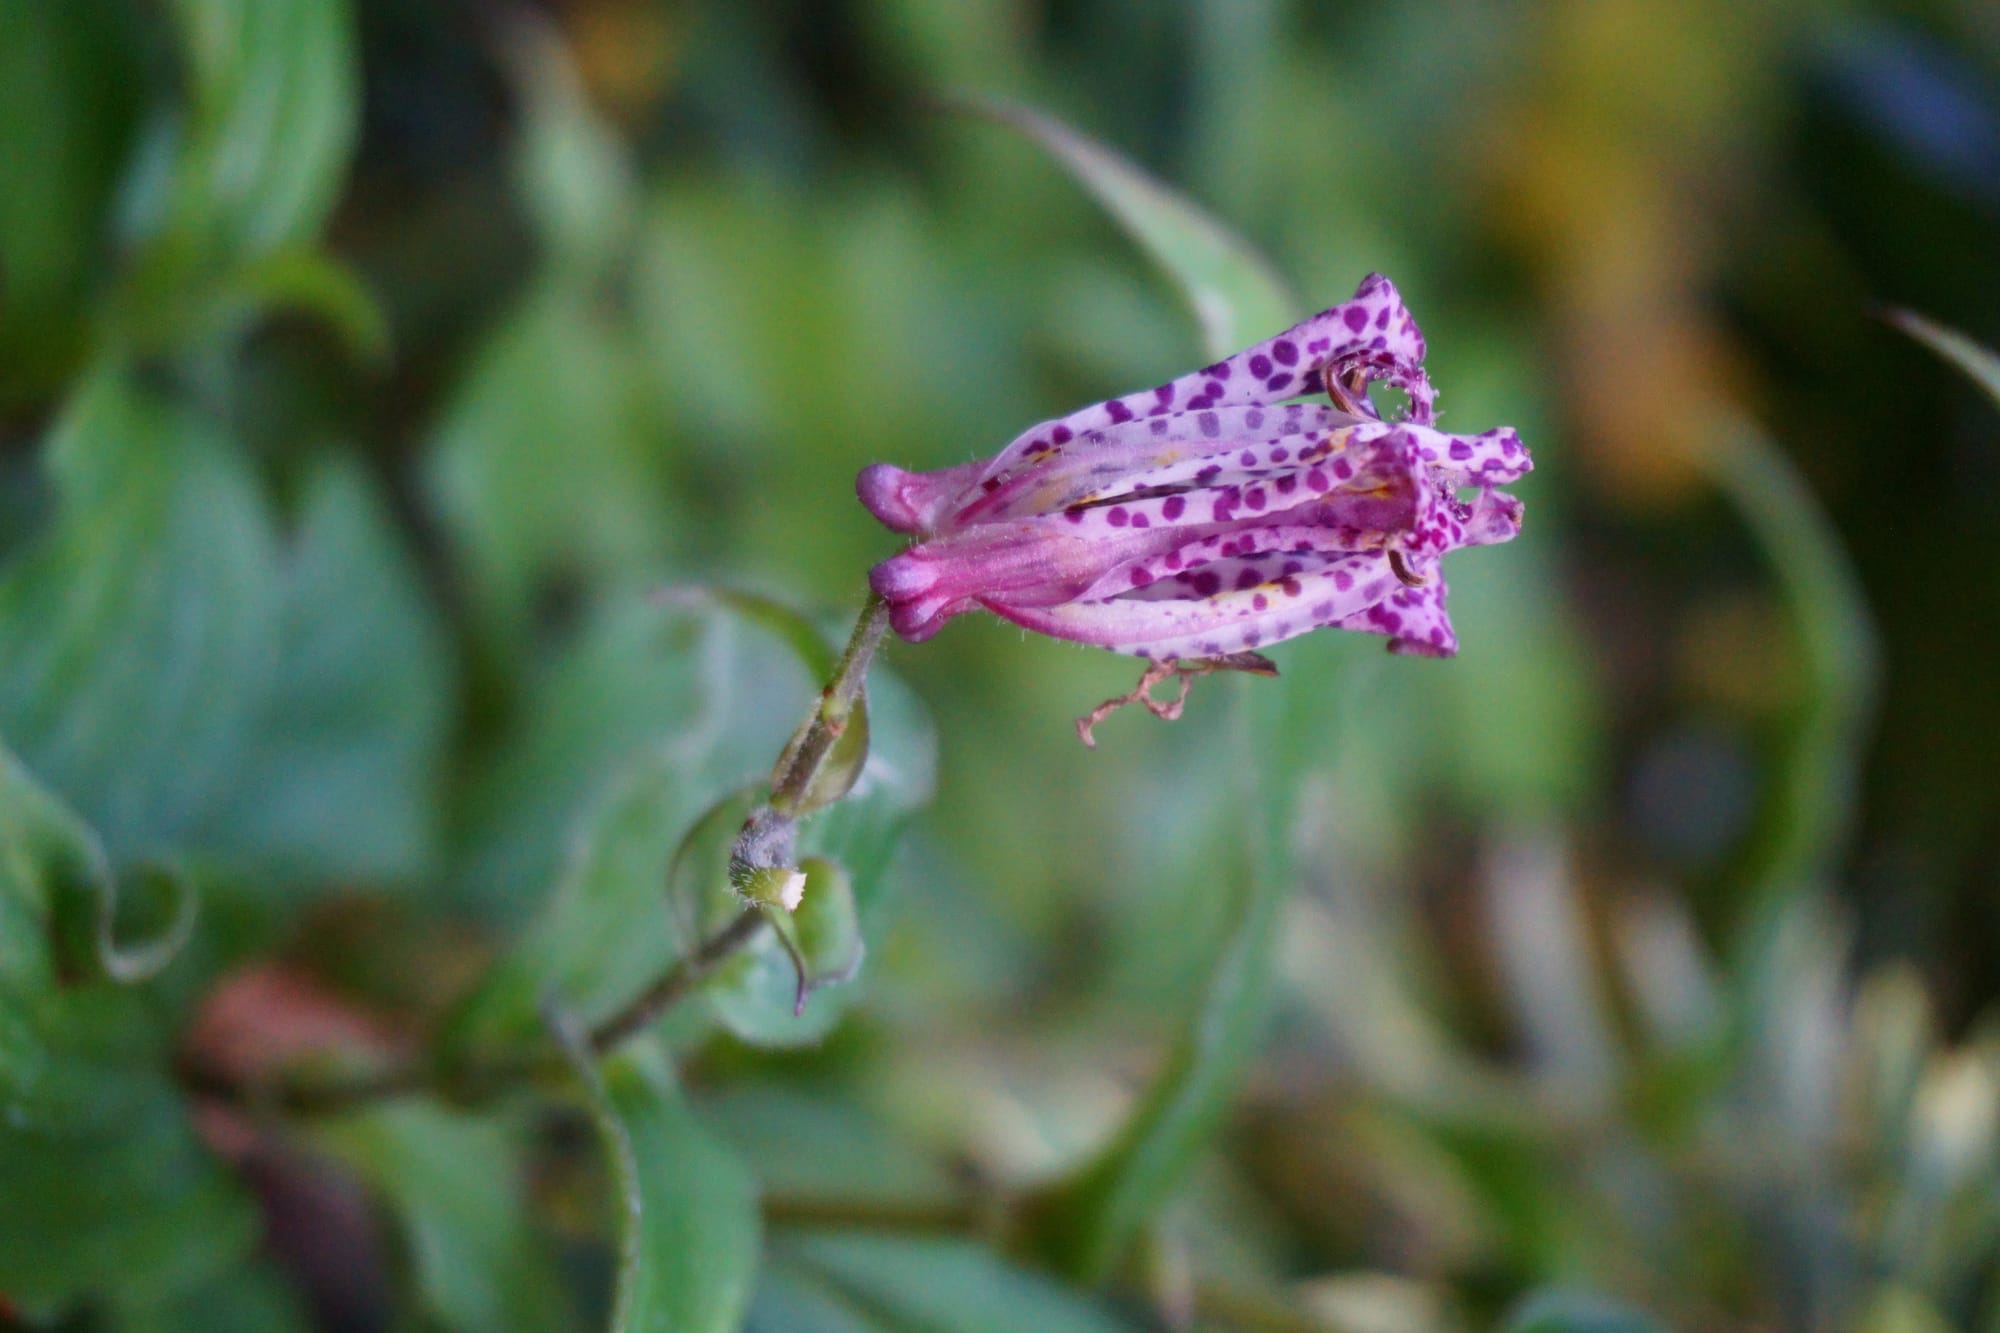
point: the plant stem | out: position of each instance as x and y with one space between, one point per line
766 840
836 706
674 984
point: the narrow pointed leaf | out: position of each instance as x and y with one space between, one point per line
1236 295
1981 364
1817 775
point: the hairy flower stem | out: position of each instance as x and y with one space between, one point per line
767 841
836 705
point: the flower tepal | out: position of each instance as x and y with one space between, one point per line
1245 503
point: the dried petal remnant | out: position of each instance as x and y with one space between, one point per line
1219 512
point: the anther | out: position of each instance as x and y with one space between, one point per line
1399 565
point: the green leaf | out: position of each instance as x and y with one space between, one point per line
940 1285
652 714
70 903
108 1192
455 1184
1817 772
259 154
296 280
138 634
340 785
234 183
69 97
1980 364
607 930
1089 1219
855 1155
574 175
546 468
255 1298
1577 1312
793 1302
638 687
690 1232
1237 297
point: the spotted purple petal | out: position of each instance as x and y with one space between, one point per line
1218 512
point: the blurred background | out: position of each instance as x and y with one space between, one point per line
1645 954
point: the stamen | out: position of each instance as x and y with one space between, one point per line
1347 389
1399 565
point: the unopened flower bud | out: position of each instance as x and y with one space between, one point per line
774 886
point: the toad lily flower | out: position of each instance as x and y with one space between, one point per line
1194 522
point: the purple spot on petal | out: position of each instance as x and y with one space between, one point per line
1060 435
1074 513
1260 365
1259 602
1171 510
1318 480
1287 484
1117 517
1254 497
1461 450
1247 579
1208 583
1343 580
1278 381
1141 521
1117 411
1357 318
1285 352
1140 578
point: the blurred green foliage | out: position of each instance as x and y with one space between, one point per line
367 372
